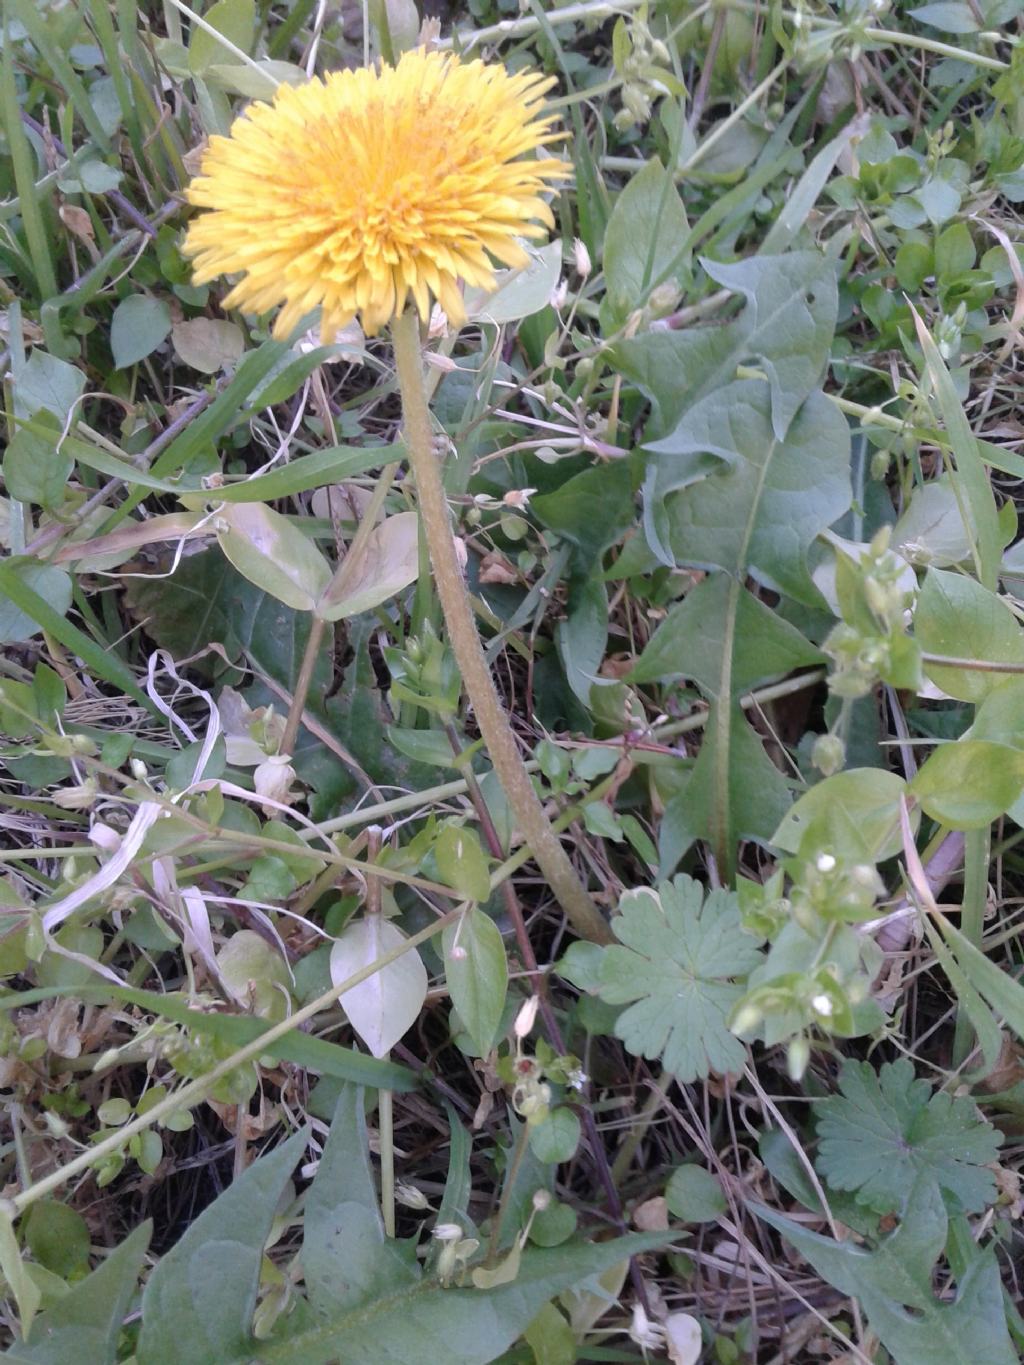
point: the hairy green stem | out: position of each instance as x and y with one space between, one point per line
491 717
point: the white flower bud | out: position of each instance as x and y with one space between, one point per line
825 863
446 1232
527 1016
581 258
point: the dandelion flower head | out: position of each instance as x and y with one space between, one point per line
362 190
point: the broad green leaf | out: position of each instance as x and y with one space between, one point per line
84 1325
519 293
139 325
722 491
256 81
477 976
677 972
893 1286
853 814
35 470
693 639
236 20
51 584
346 1258
48 384
461 862
1000 718
734 792
958 618
786 328
550 1338
385 1006
592 510
582 636
387 563
202 1293
458 1326
205 600
645 232
273 554
556 1137
727 641
969 783
949 16
694 1195
886 1130
57 1237
207 344
254 973
931 530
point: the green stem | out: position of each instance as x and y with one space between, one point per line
309 657
386 1129
491 717
977 847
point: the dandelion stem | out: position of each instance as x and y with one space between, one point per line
458 613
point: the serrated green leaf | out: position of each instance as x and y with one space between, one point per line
677 970
692 640
202 1294
892 1283
460 1326
723 491
887 1130
786 328
346 1258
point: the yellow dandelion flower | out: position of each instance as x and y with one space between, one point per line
361 190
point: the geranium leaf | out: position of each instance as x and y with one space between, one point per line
887 1129
677 970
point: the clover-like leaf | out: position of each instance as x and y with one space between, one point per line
887 1128
678 970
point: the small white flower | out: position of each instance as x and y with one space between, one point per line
825 862
581 257
822 1005
647 1334
446 1232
